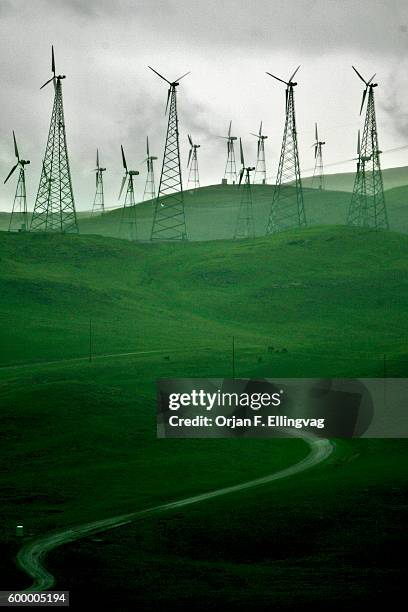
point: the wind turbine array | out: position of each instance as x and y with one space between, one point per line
54 208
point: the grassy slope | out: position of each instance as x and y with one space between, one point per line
334 297
344 181
211 212
311 292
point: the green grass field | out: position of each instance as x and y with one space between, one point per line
79 437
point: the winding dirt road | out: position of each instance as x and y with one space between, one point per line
32 555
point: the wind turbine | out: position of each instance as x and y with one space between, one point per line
54 208
368 207
230 167
318 169
287 207
169 221
18 219
150 189
260 169
99 199
193 175
368 85
245 226
128 226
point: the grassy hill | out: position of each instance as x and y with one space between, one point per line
296 290
344 181
211 212
79 436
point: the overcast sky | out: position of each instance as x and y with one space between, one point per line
111 97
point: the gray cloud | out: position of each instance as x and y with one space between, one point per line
110 96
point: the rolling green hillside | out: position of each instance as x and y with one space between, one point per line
313 291
211 212
344 181
79 436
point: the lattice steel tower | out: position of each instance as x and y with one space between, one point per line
169 221
150 188
318 174
128 220
260 168
245 227
54 209
230 174
99 199
18 219
287 208
192 163
367 206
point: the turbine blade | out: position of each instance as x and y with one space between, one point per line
160 75
260 129
241 152
52 60
147 146
122 186
96 179
189 157
167 103
259 146
97 159
290 80
256 135
359 75
15 147
49 81
363 100
241 174
316 146
182 77
10 173
286 99
316 136
277 78
189 140
123 159
229 129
